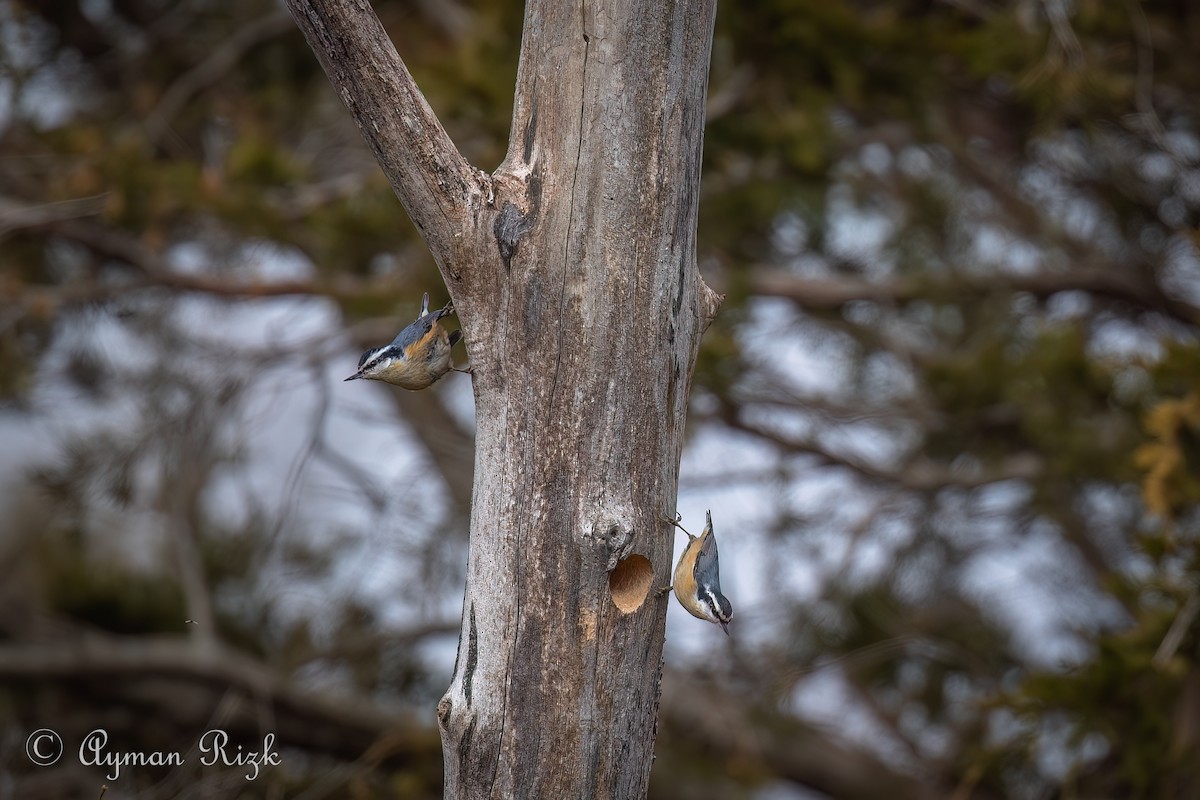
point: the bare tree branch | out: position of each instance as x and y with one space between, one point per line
1109 282
437 186
151 271
16 215
916 475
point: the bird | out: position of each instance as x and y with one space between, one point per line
418 356
697 579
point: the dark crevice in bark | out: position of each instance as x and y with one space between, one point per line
509 227
472 657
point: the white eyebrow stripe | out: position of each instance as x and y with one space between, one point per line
714 604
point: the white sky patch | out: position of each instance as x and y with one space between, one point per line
885 375
1033 589
456 393
1120 340
1060 751
858 234
738 509
259 259
876 158
825 698
1156 167
1188 186
28 444
994 246
1182 274
864 442
789 236
1067 306
52 95
805 358
915 162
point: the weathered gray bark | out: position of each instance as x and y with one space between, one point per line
573 271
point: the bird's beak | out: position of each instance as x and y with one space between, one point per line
355 376
724 626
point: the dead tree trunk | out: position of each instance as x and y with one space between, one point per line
574 274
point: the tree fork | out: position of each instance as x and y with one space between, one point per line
573 270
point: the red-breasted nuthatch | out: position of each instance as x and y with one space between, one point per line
418 356
697 580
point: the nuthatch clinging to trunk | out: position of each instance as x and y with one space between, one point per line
697 580
418 356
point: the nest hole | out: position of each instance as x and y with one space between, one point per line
629 583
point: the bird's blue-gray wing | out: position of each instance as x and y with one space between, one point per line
420 328
706 569
415 332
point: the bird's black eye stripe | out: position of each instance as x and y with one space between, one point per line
720 606
371 358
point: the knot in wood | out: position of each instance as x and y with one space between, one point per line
509 227
617 537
